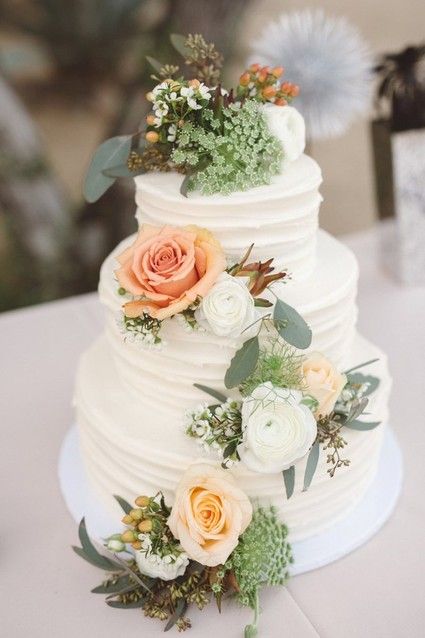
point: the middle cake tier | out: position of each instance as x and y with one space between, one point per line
326 300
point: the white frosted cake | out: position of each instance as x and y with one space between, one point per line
131 401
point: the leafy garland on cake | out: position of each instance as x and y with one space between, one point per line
221 140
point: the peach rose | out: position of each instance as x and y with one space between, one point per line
169 268
209 514
323 382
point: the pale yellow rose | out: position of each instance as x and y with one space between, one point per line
323 382
209 514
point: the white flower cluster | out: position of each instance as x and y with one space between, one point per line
171 99
167 567
136 331
189 325
214 429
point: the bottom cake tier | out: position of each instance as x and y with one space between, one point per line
128 451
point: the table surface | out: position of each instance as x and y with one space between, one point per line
375 592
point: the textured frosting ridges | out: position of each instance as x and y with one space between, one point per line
132 446
326 300
281 218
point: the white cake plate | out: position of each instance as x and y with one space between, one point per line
355 529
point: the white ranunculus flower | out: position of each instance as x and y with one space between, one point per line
278 429
165 568
228 308
287 124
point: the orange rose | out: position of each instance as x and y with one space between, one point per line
209 514
169 268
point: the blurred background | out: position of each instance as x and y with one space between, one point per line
74 73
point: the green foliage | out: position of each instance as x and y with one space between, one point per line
89 552
291 326
277 363
213 393
311 466
243 363
262 556
111 153
289 480
232 150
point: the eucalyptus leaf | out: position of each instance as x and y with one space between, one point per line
213 393
243 363
184 186
96 562
135 604
311 466
289 479
362 426
90 550
155 64
125 506
178 613
361 365
110 153
122 170
178 41
359 378
230 449
262 303
357 409
122 582
291 326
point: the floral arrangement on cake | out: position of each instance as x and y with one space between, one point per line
210 543
221 140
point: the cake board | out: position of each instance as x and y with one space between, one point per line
362 522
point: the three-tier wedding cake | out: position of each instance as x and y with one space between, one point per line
230 387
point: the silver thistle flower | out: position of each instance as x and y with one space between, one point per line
328 59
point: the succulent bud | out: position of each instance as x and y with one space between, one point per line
115 545
145 526
142 501
268 92
245 78
277 71
128 536
152 136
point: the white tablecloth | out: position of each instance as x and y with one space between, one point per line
378 591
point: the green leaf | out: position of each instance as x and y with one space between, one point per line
362 426
110 153
122 170
262 303
289 479
113 588
291 326
155 64
178 41
311 466
184 186
357 409
90 550
94 561
361 365
179 611
135 604
243 363
213 393
230 449
125 506
359 378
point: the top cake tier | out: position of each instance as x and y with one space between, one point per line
281 218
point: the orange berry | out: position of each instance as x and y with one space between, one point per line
277 71
152 136
245 79
149 96
145 526
285 87
265 69
150 119
194 83
268 92
280 101
254 68
295 89
136 545
262 77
